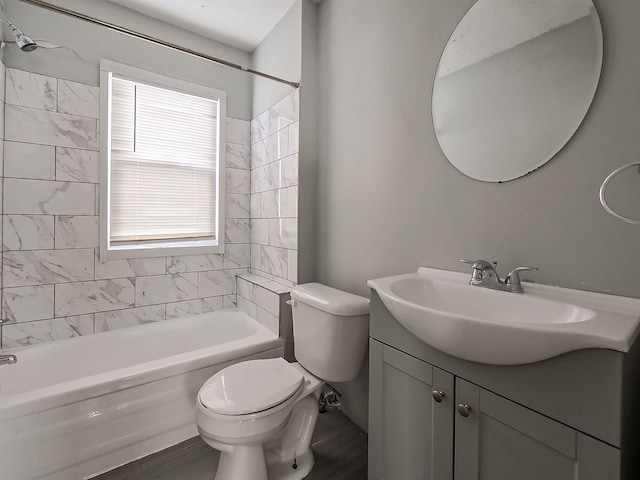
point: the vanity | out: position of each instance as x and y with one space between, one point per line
568 410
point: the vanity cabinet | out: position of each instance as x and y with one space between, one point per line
522 422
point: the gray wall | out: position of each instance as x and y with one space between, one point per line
278 54
83 45
389 201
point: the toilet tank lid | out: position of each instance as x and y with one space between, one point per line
330 300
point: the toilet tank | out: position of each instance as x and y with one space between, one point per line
330 331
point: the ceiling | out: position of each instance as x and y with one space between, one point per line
240 23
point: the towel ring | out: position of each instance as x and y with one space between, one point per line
603 200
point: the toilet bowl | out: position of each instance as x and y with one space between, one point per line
260 414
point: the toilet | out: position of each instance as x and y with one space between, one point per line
260 414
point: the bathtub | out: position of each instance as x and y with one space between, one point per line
75 408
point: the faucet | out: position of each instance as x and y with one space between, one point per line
484 274
8 359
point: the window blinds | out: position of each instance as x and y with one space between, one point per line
163 164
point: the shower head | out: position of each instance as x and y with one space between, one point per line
25 42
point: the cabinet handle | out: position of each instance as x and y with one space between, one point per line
437 395
464 409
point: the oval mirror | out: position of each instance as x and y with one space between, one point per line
514 83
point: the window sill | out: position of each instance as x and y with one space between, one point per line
168 249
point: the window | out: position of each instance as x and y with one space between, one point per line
162 165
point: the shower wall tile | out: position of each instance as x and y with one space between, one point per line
76 232
74 165
23 304
40 267
283 232
78 99
28 232
237 230
237 255
238 205
130 317
237 181
238 156
216 283
26 160
194 307
194 263
238 131
292 261
30 125
285 112
31 90
93 296
166 288
42 196
275 261
260 127
131 267
33 333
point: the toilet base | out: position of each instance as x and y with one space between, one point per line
285 470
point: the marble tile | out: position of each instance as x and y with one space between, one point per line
260 231
283 232
268 320
41 267
23 304
49 128
74 165
194 307
77 231
194 263
129 317
247 307
166 288
237 255
216 283
258 155
284 173
292 260
238 205
237 181
237 230
271 150
78 99
260 127
43 196
93 296
43 331
267 300
246 289
284 113
131 267
26 160
261 178
275 261
256 256
2 119
28 232
270 204
290 202
229 301
256 205
3 71
238 156
31 90
238 131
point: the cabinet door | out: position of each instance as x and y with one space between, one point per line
502 440
410 433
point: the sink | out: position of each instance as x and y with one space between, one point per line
489 326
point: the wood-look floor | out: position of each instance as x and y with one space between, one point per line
339 446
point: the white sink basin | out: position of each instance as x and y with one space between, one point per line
490 326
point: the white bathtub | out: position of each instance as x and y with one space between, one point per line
75 408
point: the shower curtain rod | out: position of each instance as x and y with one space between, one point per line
157 41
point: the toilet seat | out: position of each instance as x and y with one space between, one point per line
250 387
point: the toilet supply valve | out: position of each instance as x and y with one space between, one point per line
329 399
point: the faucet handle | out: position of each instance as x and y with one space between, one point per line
514 275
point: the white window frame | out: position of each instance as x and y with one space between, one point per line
160 248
